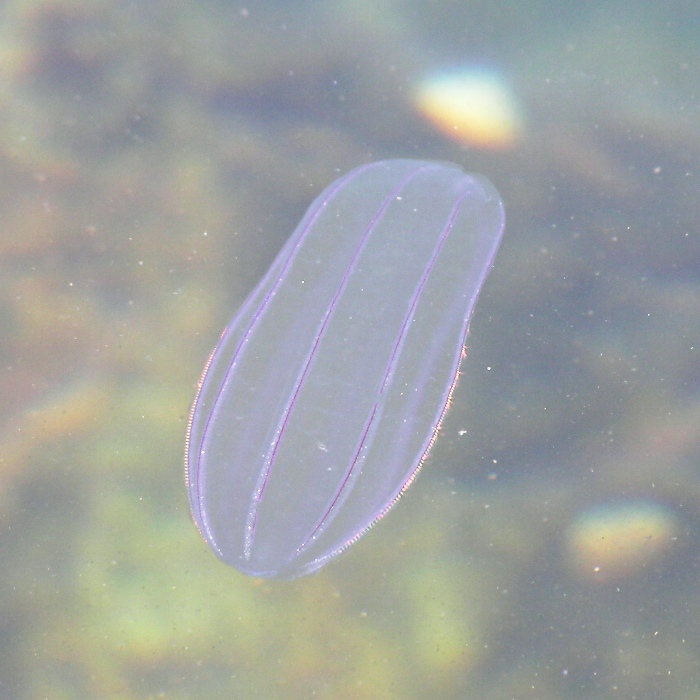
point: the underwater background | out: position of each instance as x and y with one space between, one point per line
154 157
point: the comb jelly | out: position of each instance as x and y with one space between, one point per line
325 393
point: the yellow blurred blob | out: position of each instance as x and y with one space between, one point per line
474 108
620 540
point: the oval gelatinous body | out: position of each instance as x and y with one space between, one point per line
326 391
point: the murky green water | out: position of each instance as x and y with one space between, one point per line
154 157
